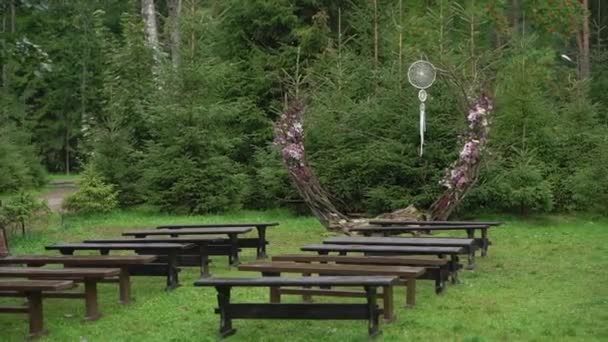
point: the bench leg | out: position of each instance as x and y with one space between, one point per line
34 300
373 312
486 242
261 250
306 298
124 285
172 274
90 299
454 262
387 304
204 253
442 275
410 293
234 249
223 300
471 259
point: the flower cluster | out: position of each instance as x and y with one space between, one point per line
289 137
461 172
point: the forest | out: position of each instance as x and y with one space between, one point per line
176 104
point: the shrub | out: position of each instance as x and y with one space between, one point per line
21 208
93 195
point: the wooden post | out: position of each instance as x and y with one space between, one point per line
34 301
90 298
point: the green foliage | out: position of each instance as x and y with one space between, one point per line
21 208
589 184
19 165
94 195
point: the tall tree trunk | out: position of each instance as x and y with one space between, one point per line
584 57
515 16
148 12
175 8
376 48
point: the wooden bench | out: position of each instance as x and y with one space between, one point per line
435 269
470 226
89 276
441 252
407 274
232 234
468 244
259 244
229 311
32 290
169 249
124 262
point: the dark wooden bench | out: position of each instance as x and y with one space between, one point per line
229 311
89 276
407 274
32 290
435 269
232 233
470 226
441 252
169 249
259 244
468 244
123 262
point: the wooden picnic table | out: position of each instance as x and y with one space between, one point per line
483 243
202 250
232 233
468 244
229 311
276 268
32 290
124 262
441 252
435 269
168 249
260 227
89 276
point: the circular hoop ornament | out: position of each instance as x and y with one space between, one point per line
421 74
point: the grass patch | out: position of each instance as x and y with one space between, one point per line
544 280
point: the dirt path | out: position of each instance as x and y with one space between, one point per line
58 191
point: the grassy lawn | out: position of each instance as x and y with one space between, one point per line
545 279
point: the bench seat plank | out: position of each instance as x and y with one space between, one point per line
372 260
218 225
208 231
118 246
401 241
293 267
58 272
35 285
431 223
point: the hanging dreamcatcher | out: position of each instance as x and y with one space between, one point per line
421 74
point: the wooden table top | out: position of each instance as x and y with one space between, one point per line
384 249
364 260
192 231
332 269
381 229
119 246
208 239
301 281
97 260
218 225
432 223
400 241
58 272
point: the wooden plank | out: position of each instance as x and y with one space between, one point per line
218 225
298 311
35 285
58 272
432 223
381 229
332 269
203 239
322 292
208 231
369 260
300 281
118 246
401 241
97 260
14 309
384 249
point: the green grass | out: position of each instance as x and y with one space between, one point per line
545 279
